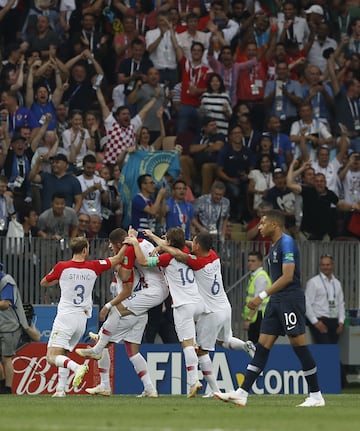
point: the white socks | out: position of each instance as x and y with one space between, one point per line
65 362
206 367
106 331
63 374
104 369
191 362
142 371
234 344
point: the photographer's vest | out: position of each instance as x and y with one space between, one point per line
251 294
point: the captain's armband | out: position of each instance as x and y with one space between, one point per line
152 261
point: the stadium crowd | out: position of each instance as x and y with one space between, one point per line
259 100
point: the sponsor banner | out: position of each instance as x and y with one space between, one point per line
34 376
282 375
45 316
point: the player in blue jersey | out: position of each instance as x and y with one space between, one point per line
284 314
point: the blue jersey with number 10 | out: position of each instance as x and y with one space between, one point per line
285 250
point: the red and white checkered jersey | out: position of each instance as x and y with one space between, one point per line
77 280
119 138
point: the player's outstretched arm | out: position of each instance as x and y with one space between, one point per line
176 253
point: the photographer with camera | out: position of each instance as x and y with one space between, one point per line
322 47
13 322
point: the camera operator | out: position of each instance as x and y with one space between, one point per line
12 322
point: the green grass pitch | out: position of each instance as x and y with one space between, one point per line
176 413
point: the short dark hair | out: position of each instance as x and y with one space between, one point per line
276 216
58 195
205 241
89 158
257 254
117 235
142 179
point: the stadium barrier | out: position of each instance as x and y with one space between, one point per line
282 375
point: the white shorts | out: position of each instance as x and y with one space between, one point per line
130 328
213 326
141 301
67 330
184 319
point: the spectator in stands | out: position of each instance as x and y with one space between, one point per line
195 76
280 143
44 37
17 160
95 192
265 148
260 181
134 68
319 207
160 46
233 166
144 12
76 140
349 176
322 47
80 95
212 211
59 221
204 152
83 224
319 94
57 181
29 220
17 116
120 128
216 103
283 96
39 101
179 213
315 131
251 86
145 209
228 70
7 210
252 228
142 94
89 38
112 213
282 198
251 136
38 8
9 18
122 41
330 168
95 228
353 46
93 126
292 27
191 35
347 112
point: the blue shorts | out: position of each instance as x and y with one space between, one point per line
285 317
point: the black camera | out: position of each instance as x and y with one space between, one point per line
327 52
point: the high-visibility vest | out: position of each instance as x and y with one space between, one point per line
251 294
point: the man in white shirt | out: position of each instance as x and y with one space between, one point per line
95 191
325 308
162 51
